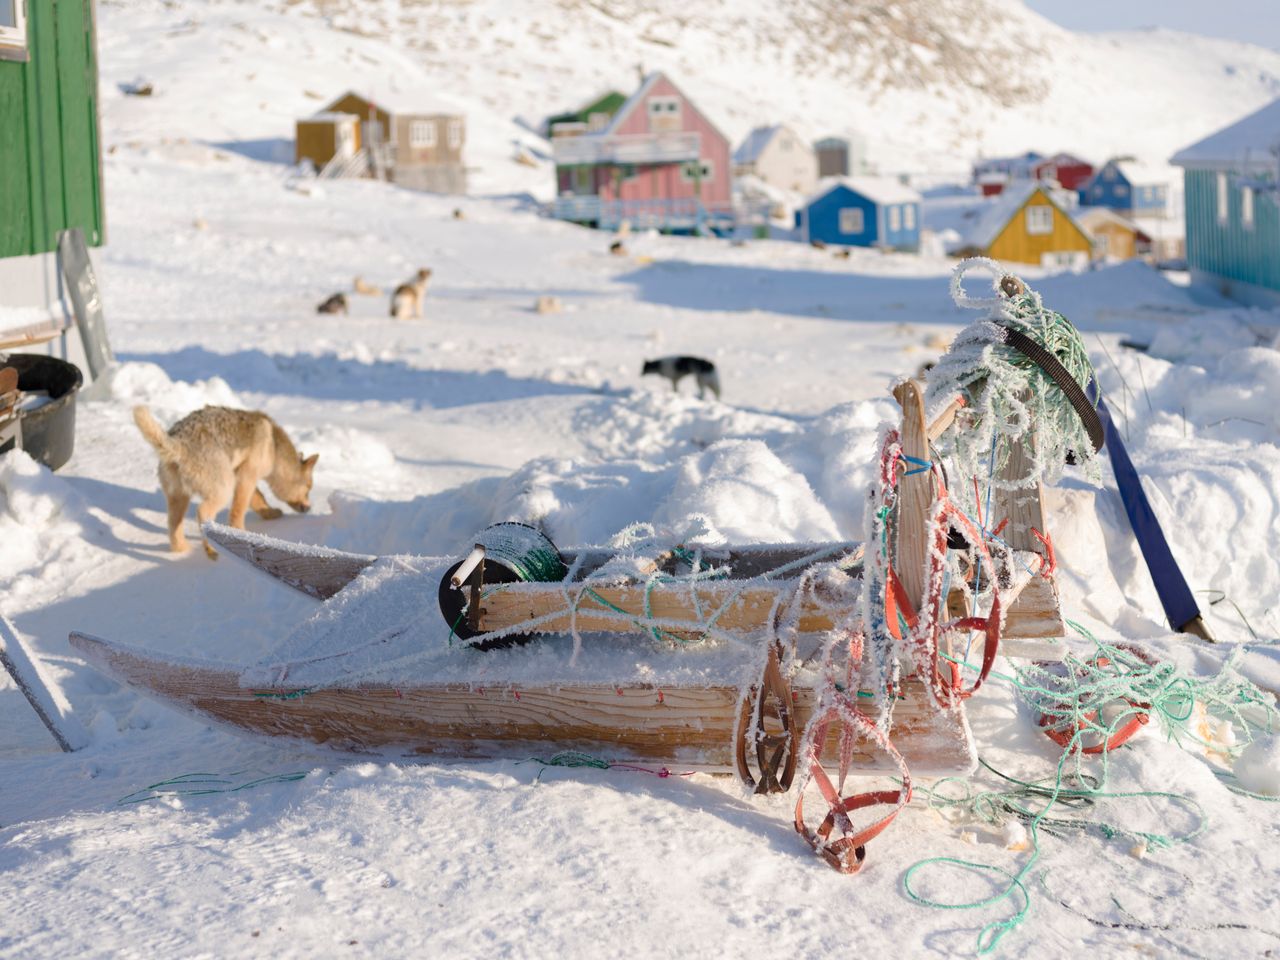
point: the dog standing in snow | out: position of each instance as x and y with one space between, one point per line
406 302
676 368
220 455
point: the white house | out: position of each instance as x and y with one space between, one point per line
779 157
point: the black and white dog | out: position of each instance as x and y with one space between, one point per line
675 368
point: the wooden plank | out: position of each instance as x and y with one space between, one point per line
322 572
681 727
945 418
1037 612
53 711
316 571
680 607
915 495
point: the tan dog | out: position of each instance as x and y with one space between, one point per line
219 455
364 288
406 302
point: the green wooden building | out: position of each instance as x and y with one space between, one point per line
50 157
1233 208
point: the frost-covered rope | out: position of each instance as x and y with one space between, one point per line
1008 395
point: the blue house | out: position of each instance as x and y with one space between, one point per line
862 212
1126 186
1233 209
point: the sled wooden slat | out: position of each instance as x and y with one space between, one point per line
744 610
321 572
316 571
677 726
915 493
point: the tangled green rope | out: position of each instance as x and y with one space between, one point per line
1073 697
1007 394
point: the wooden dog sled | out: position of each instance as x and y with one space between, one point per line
697 726
774 661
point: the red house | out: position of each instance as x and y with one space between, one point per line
659 163
1068 170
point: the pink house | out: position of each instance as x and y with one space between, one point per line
659 163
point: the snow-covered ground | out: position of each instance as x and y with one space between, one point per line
487 410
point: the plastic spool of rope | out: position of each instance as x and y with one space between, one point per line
508 552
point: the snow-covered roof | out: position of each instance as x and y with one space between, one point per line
1001 209
1146 175
1091 218
331 116
876 189
1246 145
750 149
398 101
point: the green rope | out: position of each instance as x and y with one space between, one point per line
1008 394
203 784
1074 695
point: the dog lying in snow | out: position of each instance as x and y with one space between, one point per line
219 455
676 368
406 302
335 304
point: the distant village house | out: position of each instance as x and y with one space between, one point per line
1114 237
1233 209
779 157
659 162
1127 186
862 212
834 157
1027 224
590 118
392 137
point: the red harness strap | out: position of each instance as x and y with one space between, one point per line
1064 737
899 611
847 852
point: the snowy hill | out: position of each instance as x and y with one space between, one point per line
928 84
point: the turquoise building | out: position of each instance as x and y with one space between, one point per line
1233 224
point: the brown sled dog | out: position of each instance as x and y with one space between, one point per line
219 455
406 302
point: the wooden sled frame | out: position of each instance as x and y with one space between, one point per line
695 728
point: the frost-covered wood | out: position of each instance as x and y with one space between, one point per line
687 727
43 695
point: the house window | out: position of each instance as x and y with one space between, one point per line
13 30
1039 221
1222 198
1246 207
582 180
664 107
784 144
455 134
1109 174
909 216
1121 190
422 133
698 170
851 221
895 219
1101 243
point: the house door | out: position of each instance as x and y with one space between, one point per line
346 135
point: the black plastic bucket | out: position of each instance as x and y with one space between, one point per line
49 431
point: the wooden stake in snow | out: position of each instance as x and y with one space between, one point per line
52 709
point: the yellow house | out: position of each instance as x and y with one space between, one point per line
1025 224
1114 236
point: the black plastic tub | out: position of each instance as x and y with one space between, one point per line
49 431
